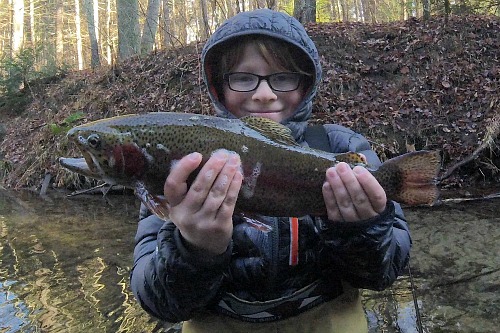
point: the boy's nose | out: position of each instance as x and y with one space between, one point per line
264 92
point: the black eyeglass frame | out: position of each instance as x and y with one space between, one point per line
264 77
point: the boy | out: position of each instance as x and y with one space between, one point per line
209 268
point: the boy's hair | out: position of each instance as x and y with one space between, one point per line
274 51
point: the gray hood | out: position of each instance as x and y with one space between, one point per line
274 24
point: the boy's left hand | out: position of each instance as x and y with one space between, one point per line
352 194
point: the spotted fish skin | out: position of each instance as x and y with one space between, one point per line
281 178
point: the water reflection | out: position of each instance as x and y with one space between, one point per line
65 263
456 270
64 267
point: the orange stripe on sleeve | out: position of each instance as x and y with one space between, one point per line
294 241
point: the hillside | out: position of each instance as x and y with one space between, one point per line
405 85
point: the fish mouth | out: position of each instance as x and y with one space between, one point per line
82 165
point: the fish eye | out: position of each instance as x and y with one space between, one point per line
94 141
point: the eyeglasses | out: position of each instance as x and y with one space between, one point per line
245 82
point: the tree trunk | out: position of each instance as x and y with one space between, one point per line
271 4
357 11
59 32
206 26
109 42
32 23
167 34
345 10
17 34
95 60
180 14
427 9
79 47
128 28
334 15
373 11
446 11
305 10
230 8
150 26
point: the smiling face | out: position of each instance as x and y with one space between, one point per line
263 101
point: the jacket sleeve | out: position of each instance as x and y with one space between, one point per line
169 281
369 254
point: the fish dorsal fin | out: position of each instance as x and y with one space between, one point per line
270 129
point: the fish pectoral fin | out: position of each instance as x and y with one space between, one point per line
270 129
155 203
351 158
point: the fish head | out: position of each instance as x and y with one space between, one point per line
110 154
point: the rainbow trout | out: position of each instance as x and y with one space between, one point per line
281 178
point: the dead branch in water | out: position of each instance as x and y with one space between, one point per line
459 200
93 190
492 132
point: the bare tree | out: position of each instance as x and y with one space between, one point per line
79 47
32 23
167 34
17 33
181 21
272 4
150 26
368 11
128 28
59 32
426 9
108 40
206 25
92 24
345 10
305 10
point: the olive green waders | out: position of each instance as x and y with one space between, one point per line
344 314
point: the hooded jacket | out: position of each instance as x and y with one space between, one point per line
267 276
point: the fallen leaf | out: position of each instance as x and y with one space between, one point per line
404 70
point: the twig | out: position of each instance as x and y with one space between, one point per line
89 190
491 133
466 279
458 200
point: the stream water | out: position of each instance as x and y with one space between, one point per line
64 267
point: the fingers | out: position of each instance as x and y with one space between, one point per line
372 189
329 197
352 195
175 187
223 192
226 209
203 211
214 182
343 184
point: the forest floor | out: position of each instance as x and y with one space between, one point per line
404 85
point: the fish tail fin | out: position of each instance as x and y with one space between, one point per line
411 178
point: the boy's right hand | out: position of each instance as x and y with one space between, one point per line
203 212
